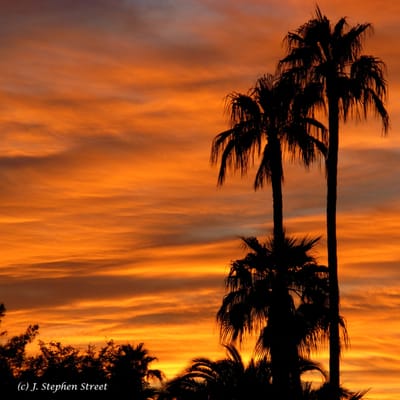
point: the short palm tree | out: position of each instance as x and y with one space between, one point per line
228 379
283 295
225 379
352 84
231 379
127 369
276 112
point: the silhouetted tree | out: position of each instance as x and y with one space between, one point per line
13 356
121 370
229 379
285 297
274 113
57 363
127 370
352 84
226 379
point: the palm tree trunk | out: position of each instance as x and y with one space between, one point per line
280 372
332 170
276 183
284 352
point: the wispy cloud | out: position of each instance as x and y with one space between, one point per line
111 221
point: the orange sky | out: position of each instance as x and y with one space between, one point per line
111 222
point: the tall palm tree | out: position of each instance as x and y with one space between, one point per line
352 84
275 112
283 295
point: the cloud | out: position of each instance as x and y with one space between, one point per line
24 292
111 222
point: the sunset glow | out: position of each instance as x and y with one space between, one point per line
111 222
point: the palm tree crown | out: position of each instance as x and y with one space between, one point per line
275 112
225 379
274 109
332 56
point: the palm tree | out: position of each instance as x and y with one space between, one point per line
331 56
231 379
128 370
275 111
282 294
225 379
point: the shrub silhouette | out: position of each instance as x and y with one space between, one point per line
63 372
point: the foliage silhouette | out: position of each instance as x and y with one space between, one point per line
284 296
223 379
351 84
230 379
127 370
274 113
13 355
326 390
118 370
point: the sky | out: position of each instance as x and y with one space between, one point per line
111 222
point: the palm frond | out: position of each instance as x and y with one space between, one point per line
325 391
307 365
348 46
369 87
276 110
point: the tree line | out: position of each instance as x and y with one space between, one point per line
277 291
124 371
60 371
